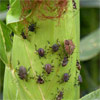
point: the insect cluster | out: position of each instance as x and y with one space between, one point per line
68 49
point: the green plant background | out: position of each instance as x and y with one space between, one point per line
89 19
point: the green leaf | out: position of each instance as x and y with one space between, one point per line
6 34
10 83
3 15
2 67
3 55
90 46
95 95
14 12
3 5
11 1
90 3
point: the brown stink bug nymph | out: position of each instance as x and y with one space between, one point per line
55 47
78 65
74 4
69 46
60 96
41 52
40 80
48 68
65 61
32 27
80 79
23 73
23 35
66 77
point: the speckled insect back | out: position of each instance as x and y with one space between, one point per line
66 77
60 96
74 4
69 46
78 65
32 27
40 80
48 68
65 61
22 72
80 79
41 52
23 35
55 47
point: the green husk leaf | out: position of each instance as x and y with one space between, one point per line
3 54
95 95
90 46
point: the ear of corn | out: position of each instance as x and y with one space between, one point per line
25 52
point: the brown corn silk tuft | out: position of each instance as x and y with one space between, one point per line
53 8
57 7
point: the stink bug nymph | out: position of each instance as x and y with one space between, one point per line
69 46
80 79
65 61
66 77
32 27
22 72
41 52
48 68
40 80
60 96
23 35
55 47
78 65
74 4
